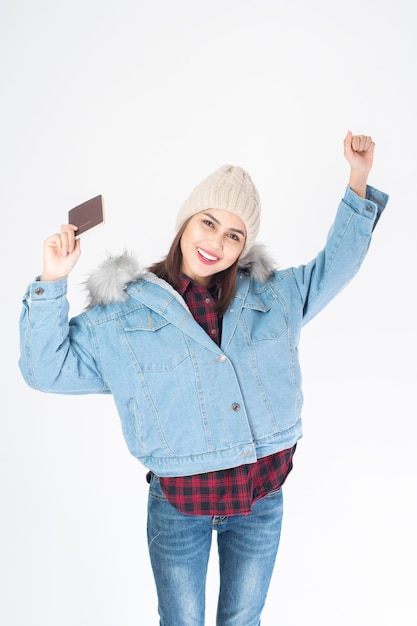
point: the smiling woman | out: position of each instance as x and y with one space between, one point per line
200 352
226 207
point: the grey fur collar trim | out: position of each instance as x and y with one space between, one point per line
108 282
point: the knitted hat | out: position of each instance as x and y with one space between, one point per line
229 188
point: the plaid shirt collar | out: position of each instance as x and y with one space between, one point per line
184 283
188 283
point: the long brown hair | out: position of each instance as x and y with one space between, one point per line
170 270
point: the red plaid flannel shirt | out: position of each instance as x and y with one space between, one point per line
231 491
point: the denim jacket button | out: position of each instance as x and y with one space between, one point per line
235 406
39 291
222 358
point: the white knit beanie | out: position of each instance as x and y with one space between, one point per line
229 188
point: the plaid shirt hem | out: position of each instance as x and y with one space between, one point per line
228 492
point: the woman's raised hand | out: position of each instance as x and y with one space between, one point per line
359 152
61 251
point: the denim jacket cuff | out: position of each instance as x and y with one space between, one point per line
371 206
43 290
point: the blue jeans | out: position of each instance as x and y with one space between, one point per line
179 548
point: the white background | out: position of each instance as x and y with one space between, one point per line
139 101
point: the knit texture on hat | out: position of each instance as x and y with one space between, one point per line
229 188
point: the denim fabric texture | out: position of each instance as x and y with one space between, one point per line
179 549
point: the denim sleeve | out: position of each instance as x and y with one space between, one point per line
320 280
54 358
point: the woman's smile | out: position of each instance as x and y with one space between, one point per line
206 257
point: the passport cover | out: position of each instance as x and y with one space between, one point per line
87 215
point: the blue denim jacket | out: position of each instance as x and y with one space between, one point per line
187 405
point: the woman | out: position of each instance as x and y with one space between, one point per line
200 352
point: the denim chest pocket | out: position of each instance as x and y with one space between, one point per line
264 316
156 344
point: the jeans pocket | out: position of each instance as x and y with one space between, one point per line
155 489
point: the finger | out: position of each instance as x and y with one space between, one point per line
68 236
59 241
368 143
347 143
361 143
69 227
365 143
55 241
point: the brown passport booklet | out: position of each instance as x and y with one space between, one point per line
87 215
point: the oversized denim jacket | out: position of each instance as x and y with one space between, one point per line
187 405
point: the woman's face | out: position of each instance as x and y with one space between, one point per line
211 242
